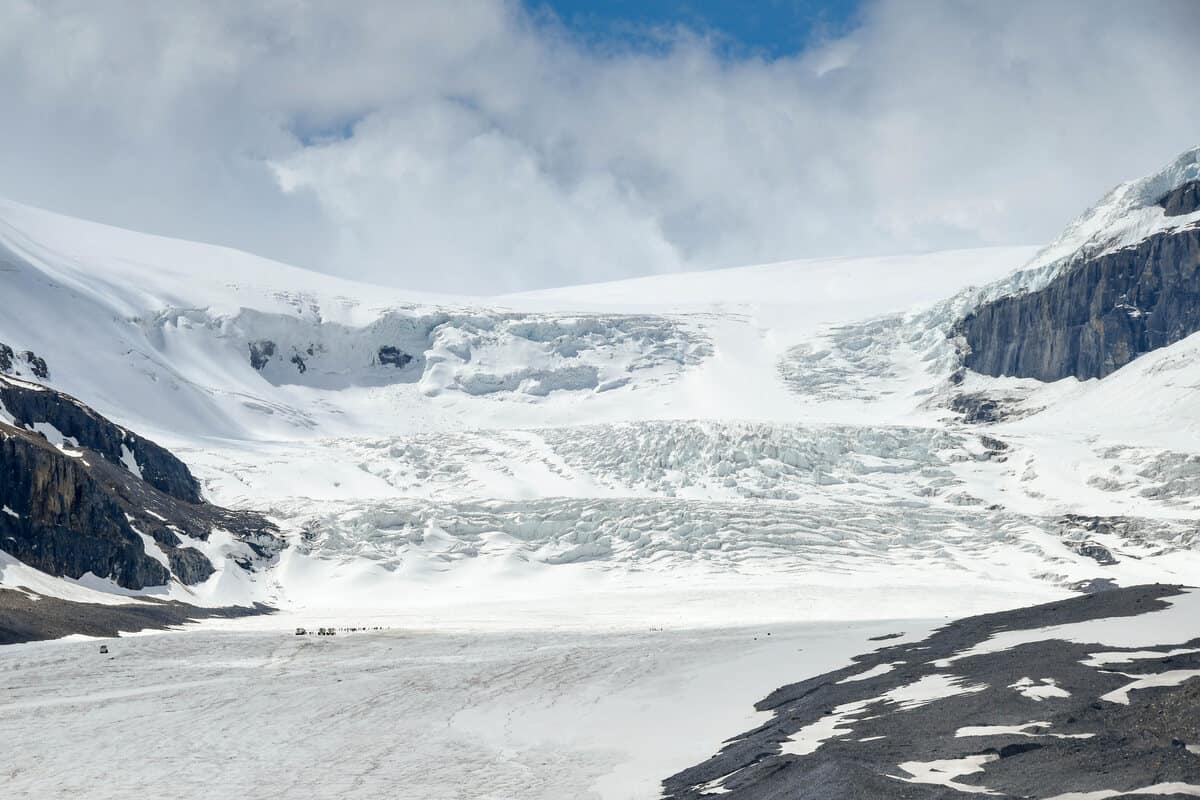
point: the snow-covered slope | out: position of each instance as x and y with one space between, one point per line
770 441
159 333
825 291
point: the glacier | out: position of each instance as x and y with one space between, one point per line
557 519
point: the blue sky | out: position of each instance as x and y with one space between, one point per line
764 28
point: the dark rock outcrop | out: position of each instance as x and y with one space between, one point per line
30 404
1101 554
68 511
977 408
59 519
10 362
36 364
863 724
1077 527
1094 318
1184 199
30 619
261 352
394 356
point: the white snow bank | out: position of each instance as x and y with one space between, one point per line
837 723
878 669
1174 624
68 445
130 461
15 574
1172 677
1039 690
942 772
1189 789
1039 729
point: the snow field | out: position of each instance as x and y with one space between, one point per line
392 713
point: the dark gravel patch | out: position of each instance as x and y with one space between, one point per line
25 619
1127 746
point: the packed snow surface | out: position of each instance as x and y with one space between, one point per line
232 711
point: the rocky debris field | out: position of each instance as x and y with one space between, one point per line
25 617
1072 699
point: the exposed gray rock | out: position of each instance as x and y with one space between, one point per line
1183 200
393 356
1075 528
261 352
1119 526
37 365
1101 554
62 519
10 363
1094 318
30 404
30 619
978 408
1125 747
70 513
992 444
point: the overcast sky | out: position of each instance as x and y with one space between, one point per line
479 146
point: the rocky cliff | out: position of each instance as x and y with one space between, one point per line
1098 315
1184 199
101 499
30 405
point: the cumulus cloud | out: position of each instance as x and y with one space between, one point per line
474 147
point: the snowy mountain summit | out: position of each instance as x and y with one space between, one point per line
1163 202
1120 282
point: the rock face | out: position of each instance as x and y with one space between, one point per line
1183 200
1097 317
27 361
31 404
59 519
69 509
260 353
36 364
394 356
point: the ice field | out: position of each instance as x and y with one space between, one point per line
574 515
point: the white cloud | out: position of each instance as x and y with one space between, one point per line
465 147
